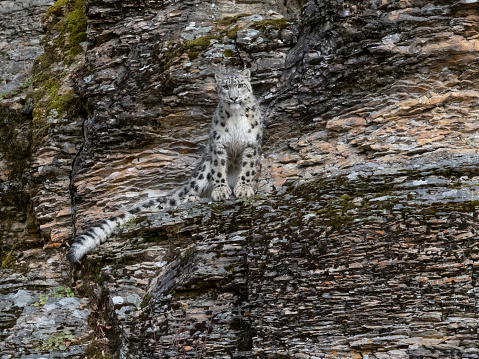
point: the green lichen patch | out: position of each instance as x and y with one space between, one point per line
229 53
55 10
7 258
192 48
233 32
145 301
277 24
203 41
228 20
337 212
338 202
461 207
217 207
50 105
199 44
250 201
76 28
193 55
65 22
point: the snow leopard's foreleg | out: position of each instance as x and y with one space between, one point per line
249 161
219 159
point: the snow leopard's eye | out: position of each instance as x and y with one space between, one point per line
241 85
225 86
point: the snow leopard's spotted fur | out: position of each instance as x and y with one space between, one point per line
229 161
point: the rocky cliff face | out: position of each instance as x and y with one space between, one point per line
19 46
362 241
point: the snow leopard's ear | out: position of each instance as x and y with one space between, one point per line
246 73
218 77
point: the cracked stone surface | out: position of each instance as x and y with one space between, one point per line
20 41
362 242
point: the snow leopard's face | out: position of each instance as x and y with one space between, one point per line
234 88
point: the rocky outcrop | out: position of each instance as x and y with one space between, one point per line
362 241
39 314
379 83
20 42
21 35
151 72
58 117
40 127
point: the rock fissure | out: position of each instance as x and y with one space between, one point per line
76 165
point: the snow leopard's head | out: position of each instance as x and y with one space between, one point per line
233 87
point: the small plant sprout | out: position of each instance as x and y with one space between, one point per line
58 341
41 300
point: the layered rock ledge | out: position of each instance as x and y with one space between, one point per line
361 242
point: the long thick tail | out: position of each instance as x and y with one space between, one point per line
101 231
95 235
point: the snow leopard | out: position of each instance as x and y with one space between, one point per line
228 165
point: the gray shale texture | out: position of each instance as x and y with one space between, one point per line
362 242
20 41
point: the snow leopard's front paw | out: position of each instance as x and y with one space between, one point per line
243 190
221 193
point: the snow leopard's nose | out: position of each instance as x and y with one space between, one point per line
233 98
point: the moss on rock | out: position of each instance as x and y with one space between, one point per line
67 19
145 301
233 32
229 53
7 258
203 41
193 55
192 48
228 20
274 23
65 22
